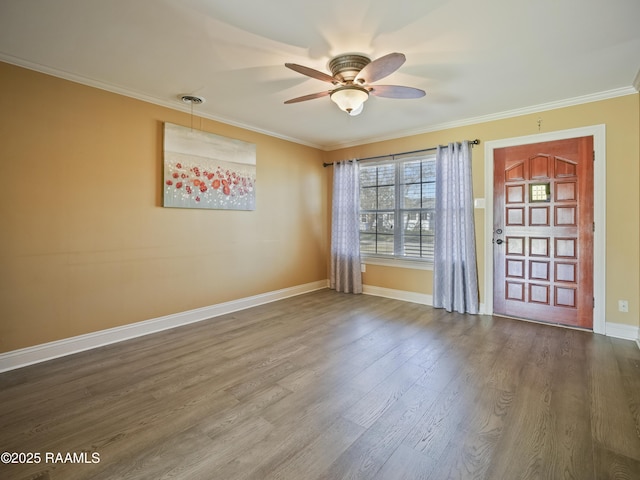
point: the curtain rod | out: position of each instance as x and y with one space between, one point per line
471 142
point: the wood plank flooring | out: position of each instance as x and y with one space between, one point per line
333 386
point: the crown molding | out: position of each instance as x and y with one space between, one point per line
174 105
569 102
180 106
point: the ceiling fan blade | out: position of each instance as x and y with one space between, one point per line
310 72
311 96
395 91
380 68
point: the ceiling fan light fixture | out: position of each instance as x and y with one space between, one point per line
350 98
357 111
352 76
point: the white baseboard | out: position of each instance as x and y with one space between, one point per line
59 348
620 330
616 330
413 297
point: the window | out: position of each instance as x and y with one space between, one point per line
397 208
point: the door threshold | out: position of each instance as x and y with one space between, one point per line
542 322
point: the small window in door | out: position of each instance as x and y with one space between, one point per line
540 192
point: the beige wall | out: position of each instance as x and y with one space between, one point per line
85 244
622 119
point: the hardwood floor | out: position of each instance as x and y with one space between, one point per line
333 386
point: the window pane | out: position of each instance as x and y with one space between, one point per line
428 222
412 196
368 176
411 223
385 223
385 245
368 223
411 247
428 195
427 246
429 169
386 198
411 172
386 174
368 197
368 243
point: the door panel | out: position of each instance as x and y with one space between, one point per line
543 232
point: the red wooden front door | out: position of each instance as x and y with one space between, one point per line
543 232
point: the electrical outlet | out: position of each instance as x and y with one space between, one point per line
623 306
363 267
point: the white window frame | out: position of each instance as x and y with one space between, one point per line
397 260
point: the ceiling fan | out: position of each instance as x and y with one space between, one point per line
352 76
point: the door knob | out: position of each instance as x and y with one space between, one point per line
499 241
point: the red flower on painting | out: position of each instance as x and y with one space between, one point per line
198 184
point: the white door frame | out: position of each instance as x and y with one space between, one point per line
599 211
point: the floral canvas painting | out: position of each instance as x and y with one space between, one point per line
204 170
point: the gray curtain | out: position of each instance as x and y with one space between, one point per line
345 235
455 271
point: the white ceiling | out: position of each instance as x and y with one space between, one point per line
476 60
